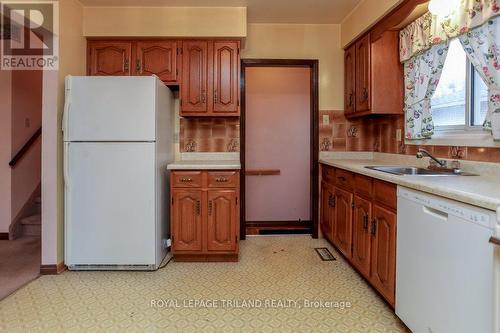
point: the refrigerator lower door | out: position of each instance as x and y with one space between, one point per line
110 205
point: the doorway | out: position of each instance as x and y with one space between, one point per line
279 147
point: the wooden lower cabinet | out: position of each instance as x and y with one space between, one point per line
327 211
361 237
362 220
342 237
205 215
383 252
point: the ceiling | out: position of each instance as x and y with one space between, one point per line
259 11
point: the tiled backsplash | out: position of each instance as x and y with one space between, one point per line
209 135
378 134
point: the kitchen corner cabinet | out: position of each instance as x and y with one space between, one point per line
205 215
358 216
373 76
210 78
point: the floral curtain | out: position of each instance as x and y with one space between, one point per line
422 73
482 46
430 30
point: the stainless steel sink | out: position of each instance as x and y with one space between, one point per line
413 171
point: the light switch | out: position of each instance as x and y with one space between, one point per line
398 134
326 120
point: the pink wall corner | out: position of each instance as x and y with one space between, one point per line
5 150
278 137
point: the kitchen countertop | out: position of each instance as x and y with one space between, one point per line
482 191
205 165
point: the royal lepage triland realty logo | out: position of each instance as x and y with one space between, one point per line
29 39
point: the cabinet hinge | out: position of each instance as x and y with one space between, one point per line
238 102
353 205
172 200
238 50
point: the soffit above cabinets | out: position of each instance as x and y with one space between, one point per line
259 11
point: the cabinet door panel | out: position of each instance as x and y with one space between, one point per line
225 77
350 79
187 220
383 270
109 58
343 221
363 72
159 58
327 211
221 226
361 235
194 77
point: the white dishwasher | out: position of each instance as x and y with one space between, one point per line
446 268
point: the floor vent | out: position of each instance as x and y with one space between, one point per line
324 254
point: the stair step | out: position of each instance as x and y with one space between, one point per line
32 230
32 220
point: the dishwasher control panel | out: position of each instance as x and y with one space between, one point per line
466 212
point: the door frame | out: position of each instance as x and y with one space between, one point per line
314 132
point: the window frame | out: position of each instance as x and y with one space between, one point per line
469 108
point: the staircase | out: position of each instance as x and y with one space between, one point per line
32 222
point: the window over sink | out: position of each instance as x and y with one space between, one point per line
460 102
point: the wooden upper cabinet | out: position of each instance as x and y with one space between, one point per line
109 58
342 236
159 58
221 221
361 235
194 78
225 77
374 76
186 220
383 252
363 74
350 79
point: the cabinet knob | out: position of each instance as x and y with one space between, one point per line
215 96
221 180
210 205
198 207
126 65
138 66
365 94
186 180
374 227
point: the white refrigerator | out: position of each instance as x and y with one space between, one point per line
118 140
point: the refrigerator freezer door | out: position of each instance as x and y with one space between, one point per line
110 204
109 108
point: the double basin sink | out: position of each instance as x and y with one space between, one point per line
414 171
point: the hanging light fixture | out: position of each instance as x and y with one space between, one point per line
442 8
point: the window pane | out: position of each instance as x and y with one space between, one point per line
480 100
448 103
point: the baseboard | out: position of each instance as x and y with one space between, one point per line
4 236
52 269
15 228
278 227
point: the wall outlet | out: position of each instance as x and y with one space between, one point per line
326 119
398 134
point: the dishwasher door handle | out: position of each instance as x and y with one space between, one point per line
434 212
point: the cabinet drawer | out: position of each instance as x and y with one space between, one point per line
328 174
363 185
223 178
186 179
344 179
385 193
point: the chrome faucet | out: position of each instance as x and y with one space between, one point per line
422 152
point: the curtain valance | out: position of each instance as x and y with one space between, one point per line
429 30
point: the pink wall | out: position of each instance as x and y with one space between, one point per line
278 137
26 119
5 149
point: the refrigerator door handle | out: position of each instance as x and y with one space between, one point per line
65 116
66 167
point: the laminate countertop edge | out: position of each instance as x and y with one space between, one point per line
480 191
204 165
